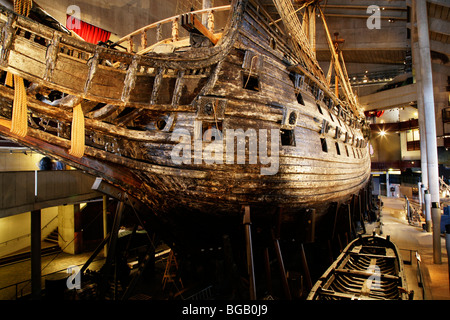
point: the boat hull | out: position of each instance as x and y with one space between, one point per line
149 124
369 268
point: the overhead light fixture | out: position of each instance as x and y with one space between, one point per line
382 133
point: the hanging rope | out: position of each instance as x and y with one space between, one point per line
23 7
78 134
19 121
9 80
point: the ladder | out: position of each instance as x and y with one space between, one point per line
171 269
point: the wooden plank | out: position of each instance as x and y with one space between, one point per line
190 22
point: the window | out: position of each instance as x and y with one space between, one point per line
320 109
212 131
161 124
323 141
337 148
332 119
287 137
250 82
300 98
413 140
346 150
273 43
297 81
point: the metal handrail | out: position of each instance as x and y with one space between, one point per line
29 280
420 281
29 234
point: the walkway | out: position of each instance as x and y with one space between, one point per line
413 237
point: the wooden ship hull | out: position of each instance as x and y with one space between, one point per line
369 268
135 104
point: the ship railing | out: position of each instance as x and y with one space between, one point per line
128 41
419 273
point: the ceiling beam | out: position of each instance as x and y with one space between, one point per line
361 16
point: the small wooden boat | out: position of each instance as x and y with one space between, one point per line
369 268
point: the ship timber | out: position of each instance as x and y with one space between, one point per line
255 77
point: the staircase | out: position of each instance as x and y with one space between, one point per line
52 237
48 246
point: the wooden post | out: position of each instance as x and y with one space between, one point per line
112 249
330 251
268 271
144 39
77 229
351 227
175 30
130 48
312 28
206 4
211 21
284 281
248 237
158 32
105 224
305 267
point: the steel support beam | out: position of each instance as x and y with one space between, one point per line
420 103
430 122
36 254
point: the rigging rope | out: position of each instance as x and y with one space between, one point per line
294 27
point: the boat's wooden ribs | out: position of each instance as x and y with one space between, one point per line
369 268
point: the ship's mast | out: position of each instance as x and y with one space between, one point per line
337 59
301 42
303 34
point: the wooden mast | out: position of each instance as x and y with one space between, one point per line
336 43
345 84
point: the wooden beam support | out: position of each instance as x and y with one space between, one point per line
284 281
248 237
191 23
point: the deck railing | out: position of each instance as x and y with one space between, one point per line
174 20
